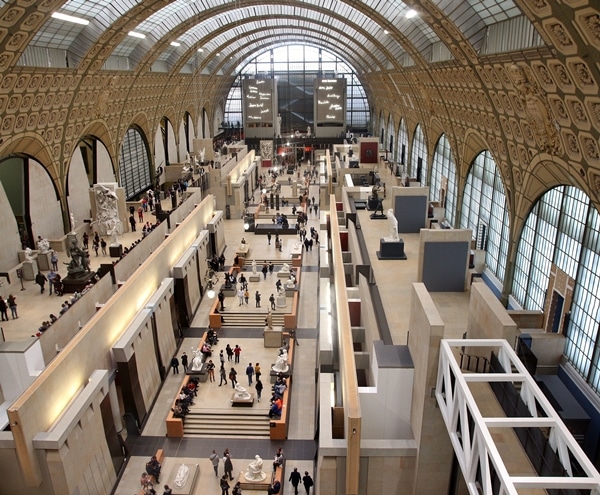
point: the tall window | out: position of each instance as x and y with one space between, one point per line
443 178
484 203
403 143
134 165
296 67
564 228
418 158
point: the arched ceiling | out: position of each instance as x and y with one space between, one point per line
371 35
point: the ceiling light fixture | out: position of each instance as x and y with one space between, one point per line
200 50
70 18
385 31
411 13
136 35
175 43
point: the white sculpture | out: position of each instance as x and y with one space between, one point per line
393 224
281 290
197 360
202 152
241 393
269 320
291 283
187 157
181 476
73 222
281 365
28 254
43 245
106 208
285 268
113 229
255 472
254 267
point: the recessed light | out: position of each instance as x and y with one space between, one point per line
218 55
200 50
175 43
385 31
70 18
136 35
411 13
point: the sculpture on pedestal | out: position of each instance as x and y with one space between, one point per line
43 245
28 254
269 320
181 476
73 222
254 267
255 472
197 360
281 365
241 393
80 262
285 268
393 223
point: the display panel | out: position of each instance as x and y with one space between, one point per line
330 95
258 101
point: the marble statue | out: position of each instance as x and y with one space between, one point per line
113 229
240 393
255 472
106 207
281 290
197 360
202 154
254 267
281 365
285 268
28 254
308 131
187 157
393 224
43 245
269 320
73 222
181 476
291 282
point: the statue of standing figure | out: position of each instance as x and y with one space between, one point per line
254 267
269 320
393 224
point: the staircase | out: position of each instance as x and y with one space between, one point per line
251 320
239 422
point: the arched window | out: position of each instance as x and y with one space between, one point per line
418 158
563 228
484 210
134 164
442 186
403 144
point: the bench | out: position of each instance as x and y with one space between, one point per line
278 475
279 426
290 320
160 457
175 425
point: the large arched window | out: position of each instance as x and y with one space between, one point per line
403 144
563 228
442 186
418 157
296 67
134 164
484 210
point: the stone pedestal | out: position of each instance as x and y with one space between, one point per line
187 487
43 261
281 301
255 277
273 337
390 249
237 402
283 274
261 486
30 270
71 236
77 284
115 250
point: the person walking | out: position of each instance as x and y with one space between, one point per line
307 481
269 238
221 297
224 485
210 367
272 266
257 371
184 362
240 294
214 458
141 214
54 261
228 467
40 279
265 269
3 309
233 377
175 365
223 375
229 352
295 478
259 388
222 357
132 222
237 351
293 337
12 304
257 298
246 295
272 301
103 246
96 245
86 240
249 373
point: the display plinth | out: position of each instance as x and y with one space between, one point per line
237 402
273 337
243 250
188 486
390 249
77 284
283 274
261 486
30 269
115 250
44 261
281 301
71 237
255 277
378 216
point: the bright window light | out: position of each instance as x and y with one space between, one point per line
136 35
175 43
70 18
200 50
385 31
411 13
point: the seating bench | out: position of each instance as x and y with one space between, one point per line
160 457
279 476
279 426
175 425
